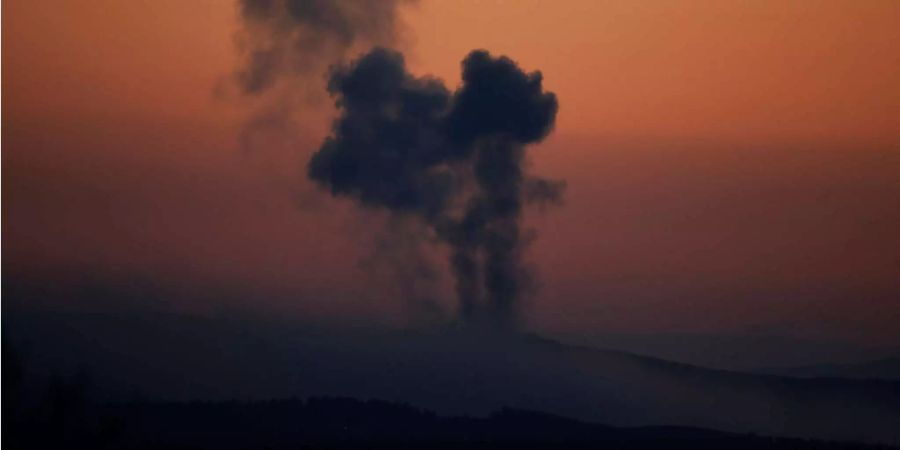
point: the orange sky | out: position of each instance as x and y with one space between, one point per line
737 158
790 70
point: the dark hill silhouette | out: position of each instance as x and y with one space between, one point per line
65 417
453 372
348 423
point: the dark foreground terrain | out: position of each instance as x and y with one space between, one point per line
63 412
65 419
454 373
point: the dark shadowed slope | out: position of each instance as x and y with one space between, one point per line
880 369
747 352
451 372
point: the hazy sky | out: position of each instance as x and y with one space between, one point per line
731 166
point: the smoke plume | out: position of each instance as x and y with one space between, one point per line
287 45
283 39
452 160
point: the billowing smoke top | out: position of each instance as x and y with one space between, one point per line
453 161
499 98
388 138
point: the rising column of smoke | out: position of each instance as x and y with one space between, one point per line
499 108
453 161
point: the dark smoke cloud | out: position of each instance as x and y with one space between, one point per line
287 47
388 143
452 160
498 98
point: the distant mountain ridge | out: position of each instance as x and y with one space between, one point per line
883 369
748 352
